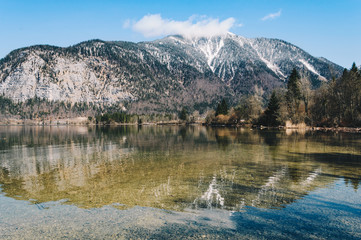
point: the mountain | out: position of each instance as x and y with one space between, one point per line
160 75
241 63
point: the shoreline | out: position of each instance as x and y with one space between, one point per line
83 122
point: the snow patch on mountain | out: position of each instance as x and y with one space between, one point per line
312 69
177 40
210 48
273 67
270 64
239 39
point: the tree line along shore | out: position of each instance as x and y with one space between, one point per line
334 105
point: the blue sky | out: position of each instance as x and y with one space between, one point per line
323 28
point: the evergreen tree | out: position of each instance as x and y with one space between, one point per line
339 102
293 96
272 114
293 86
350 85
354 68
222 108
183 114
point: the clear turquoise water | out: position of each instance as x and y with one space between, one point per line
178 182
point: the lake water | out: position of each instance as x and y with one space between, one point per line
178 182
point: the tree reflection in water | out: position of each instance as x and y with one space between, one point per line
171 167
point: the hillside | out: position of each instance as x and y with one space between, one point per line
157 76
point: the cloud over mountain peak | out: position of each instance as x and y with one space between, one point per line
153 25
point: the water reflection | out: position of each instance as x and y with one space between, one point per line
174 168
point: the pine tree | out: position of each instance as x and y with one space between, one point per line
293 86
354 68
272 114
183 114
293 95
222 108
350 85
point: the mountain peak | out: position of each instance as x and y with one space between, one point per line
163 74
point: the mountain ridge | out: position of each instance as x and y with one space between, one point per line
157 75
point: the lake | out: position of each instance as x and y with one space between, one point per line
161 182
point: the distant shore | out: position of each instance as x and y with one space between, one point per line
83 121
337 129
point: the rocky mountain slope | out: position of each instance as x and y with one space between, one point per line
160 75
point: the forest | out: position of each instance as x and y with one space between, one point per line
336 103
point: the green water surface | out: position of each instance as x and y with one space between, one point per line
178 182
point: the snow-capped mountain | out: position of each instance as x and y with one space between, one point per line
242 63
161 74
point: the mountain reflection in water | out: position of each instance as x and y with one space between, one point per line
174 168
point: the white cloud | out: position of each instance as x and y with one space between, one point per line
272 16
154 25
